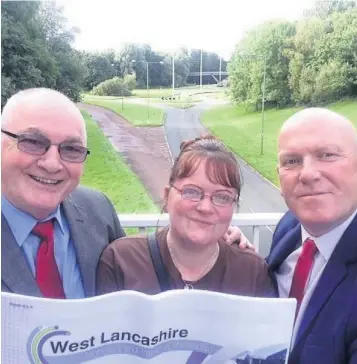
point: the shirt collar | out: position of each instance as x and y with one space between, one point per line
326 243
21 223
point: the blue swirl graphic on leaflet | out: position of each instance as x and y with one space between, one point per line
37 339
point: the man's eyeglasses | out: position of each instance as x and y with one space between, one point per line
193 194
39 145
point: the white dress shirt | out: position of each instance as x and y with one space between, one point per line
325 244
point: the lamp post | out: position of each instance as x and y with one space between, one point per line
173 74
220 70
122 91
201 71
264 58
147 82
263 102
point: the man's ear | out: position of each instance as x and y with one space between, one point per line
277 171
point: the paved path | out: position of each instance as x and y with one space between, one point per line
144 149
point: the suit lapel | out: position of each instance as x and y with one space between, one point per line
287 244
15 272
334 272
82 235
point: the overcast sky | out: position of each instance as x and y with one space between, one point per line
167 24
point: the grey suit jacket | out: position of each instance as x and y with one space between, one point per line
93 224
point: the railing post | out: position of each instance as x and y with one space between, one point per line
256 231
142 230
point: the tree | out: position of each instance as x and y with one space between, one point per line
322 9
36 49
262 47
137 52
26 62
317 47
331 82
210 63
99 69
310 61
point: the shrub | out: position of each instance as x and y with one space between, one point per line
113 87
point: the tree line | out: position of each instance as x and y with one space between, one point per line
307 62
132 58
310 61
37 51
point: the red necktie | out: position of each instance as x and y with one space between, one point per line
47 275
302 271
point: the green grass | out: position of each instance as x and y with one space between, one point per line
184 99
183 103
106 171
137 113
241 132
134 113
153 93
164 92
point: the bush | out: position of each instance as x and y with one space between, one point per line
113 87
130 82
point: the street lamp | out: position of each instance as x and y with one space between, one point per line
122 89
264 58
147 80
220 70
173 74
201 70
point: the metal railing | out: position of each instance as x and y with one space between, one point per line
254 220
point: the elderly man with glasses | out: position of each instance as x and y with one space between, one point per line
52 230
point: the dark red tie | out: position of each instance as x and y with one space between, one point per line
302 271
47 275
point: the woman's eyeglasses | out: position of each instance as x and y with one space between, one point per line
193 194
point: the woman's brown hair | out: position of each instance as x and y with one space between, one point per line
221 164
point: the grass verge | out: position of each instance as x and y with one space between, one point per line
106 171
136 114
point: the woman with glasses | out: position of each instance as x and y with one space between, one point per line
201 197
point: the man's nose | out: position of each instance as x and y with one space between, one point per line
309 170
51 160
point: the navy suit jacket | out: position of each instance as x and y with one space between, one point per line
328 330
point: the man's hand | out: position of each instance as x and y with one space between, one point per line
235 235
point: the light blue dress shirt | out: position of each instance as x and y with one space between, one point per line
21 225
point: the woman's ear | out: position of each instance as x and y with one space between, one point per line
166 196
166 193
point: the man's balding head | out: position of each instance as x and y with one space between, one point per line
39 99
319 118
34 183
317 168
